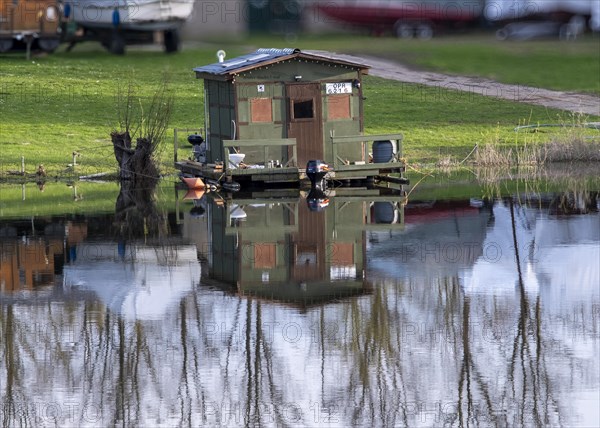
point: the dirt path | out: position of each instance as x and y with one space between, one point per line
568 101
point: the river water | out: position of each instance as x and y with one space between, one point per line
469 302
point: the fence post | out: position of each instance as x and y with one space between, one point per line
175 144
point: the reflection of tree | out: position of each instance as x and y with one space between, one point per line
136 213
472 378
10 403
373 348
524 400
502 379
137 373
411 353
537 405
262 403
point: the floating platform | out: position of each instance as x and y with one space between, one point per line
259 171
289 175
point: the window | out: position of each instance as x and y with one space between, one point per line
261 110
343 254
265 255
338 106
306 254
303 109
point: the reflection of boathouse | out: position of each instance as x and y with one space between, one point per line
279 249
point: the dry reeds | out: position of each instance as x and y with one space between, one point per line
583 150
570 142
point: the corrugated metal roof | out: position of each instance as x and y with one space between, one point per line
257 57
262 56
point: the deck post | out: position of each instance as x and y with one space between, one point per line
175 144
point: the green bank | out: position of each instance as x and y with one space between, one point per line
63 103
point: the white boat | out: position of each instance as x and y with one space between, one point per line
120 22
528 20
132 15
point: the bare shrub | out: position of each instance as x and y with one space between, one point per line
144 124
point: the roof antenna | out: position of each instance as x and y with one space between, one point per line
221 55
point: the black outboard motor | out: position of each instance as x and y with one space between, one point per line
199 149
317 200
316 170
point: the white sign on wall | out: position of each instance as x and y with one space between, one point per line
260 88
338 88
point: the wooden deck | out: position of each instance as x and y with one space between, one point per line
263 175
260 174
285 175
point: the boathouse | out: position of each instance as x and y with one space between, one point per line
269 112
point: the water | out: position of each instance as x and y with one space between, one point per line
357 308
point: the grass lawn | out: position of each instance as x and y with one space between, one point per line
54 105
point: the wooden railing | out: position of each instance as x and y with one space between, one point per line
343 202
364 140
266 144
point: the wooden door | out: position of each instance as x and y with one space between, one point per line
305 120
309 261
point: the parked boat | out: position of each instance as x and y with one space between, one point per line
34 23
408 18
116 24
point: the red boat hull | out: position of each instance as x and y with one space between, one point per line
377 14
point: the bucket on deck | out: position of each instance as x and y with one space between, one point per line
385 213
383 151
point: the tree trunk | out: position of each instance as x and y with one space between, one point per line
123 153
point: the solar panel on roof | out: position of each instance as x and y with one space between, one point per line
244 60
257 57
233 63
254 59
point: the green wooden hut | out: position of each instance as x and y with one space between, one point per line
281 108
